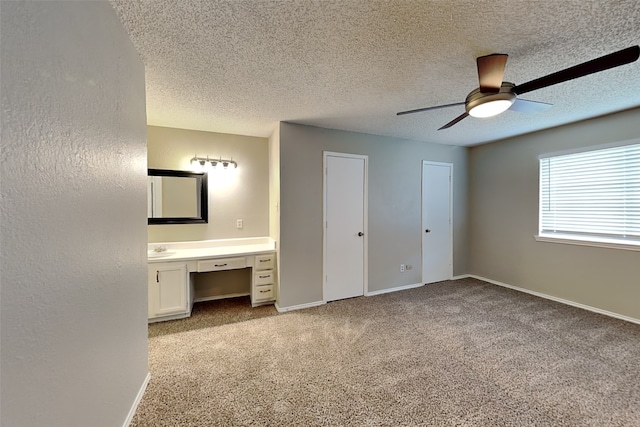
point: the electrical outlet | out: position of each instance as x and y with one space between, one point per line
408 267
401 268
239 223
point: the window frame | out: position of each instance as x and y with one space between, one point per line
581 239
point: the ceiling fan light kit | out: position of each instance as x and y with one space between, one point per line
481 104
493 96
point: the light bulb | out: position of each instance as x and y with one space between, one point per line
490 108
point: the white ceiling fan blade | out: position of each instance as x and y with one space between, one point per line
526 106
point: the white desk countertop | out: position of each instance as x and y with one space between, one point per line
184 251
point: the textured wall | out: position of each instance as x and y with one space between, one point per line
504 219
72 218
234 193
395 181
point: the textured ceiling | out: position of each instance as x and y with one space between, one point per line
242 66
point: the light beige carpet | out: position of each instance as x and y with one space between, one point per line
462 353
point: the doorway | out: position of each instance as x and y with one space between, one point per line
437 229
345 226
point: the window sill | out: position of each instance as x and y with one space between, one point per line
584 241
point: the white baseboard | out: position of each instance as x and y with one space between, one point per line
560 300
462 276
298 307
398 288
217 297
172 317
136 402
368 294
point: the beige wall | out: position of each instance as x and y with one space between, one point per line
241 193
73 258
395 169
504 219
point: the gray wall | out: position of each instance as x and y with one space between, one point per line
72 218
241 193
395 170
504 219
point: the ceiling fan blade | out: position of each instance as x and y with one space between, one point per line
491 71
428 108
454 121
526 106
621 57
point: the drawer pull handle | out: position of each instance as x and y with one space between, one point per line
264 292
220 265
264 277
265 260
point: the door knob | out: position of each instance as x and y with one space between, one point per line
360 234
427 231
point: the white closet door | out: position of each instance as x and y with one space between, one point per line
437 236
345 224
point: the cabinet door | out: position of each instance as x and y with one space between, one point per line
167 289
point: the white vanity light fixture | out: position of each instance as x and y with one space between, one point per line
206 161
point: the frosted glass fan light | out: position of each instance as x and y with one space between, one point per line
491 108
482 104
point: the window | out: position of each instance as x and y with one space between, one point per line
591 197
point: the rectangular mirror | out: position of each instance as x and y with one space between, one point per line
176 197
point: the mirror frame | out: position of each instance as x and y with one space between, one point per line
204 197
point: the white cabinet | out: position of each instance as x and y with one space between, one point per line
171 284
168 290
263 280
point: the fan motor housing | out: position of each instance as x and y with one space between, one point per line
476 98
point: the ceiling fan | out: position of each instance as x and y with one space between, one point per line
495 96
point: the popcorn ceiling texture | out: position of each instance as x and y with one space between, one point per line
241 66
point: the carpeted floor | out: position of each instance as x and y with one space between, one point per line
455 353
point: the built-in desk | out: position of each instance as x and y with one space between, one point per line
170 271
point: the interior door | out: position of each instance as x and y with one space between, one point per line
345 226
437 231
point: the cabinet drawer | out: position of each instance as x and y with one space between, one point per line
263 277
221 264
263 293
265 262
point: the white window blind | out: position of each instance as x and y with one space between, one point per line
594 194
